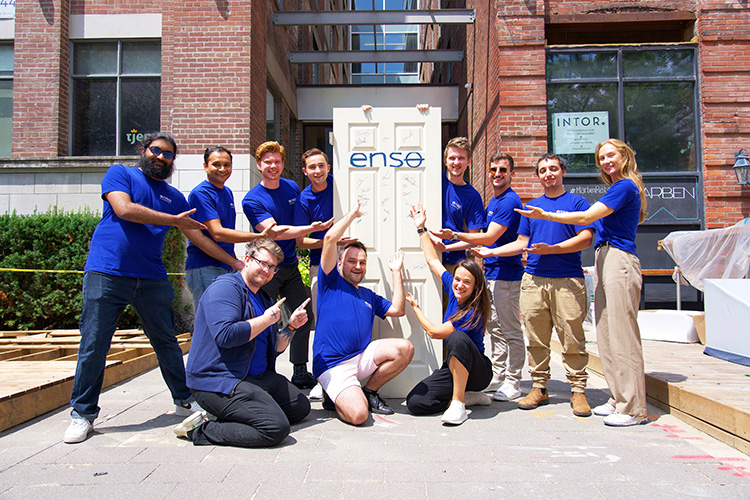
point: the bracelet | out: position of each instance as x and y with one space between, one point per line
455 236
549 215
290 327
421 230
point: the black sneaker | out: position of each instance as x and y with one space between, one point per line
328 403
377 405
304 380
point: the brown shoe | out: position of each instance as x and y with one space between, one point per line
579 404
536 397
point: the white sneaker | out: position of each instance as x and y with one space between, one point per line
506 392
78 430
477 399
189 424
186 411
604 410
456 413
316 393
623 420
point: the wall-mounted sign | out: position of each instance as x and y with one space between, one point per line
7 9
671 200
579 133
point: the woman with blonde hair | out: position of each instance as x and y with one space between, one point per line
617 280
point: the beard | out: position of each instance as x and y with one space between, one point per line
159 171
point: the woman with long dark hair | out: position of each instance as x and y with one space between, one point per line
466 370
617 280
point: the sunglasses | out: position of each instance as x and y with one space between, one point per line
168 155
502 170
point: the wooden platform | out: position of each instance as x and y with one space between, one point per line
37 368
710 394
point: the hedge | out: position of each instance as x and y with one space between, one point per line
60 241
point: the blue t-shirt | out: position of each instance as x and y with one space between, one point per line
315 206
462 206
209 203
619 227
500 210
476 333
261 203
565 265
132 249
259 361
345 317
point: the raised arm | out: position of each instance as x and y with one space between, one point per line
419 215
597 211
398 304
329 254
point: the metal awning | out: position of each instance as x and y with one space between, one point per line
374 56
354 17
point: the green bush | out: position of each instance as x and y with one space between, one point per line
56 241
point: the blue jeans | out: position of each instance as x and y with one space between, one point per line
199 278
104 298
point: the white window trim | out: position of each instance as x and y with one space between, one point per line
120 26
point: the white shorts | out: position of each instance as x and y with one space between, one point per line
349 373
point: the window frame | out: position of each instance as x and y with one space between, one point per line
118 77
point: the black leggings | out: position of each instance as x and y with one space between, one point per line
433 394
257 414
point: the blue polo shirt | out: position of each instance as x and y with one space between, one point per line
261 203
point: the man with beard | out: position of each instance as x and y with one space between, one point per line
124 266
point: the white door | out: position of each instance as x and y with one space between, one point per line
391 158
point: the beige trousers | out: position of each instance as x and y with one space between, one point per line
504 326
617 294
558 303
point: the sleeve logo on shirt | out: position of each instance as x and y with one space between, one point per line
368 304
164 198
490 213
292 201
456 205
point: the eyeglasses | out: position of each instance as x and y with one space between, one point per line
265 265
502 170
158 151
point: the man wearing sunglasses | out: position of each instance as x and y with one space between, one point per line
231 367
553 291
124 266
503 277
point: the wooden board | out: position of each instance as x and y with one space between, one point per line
37 369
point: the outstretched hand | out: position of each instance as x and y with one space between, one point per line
272 231
411 299
532 212
482 252
299 316
275 310
321 225
357 209
539 249
443 234
396 262
419 214
184 221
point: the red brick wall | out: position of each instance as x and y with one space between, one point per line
40 79
724 35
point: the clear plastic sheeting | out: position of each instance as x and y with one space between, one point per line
712 254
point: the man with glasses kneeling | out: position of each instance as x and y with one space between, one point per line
231 367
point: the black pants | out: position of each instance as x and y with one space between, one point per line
258 414
288 283
433 394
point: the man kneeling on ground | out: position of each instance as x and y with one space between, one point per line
231 367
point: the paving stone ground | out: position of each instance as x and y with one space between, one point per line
500 452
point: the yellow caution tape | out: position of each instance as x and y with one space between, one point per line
60 271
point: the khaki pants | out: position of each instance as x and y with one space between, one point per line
617 294
558 303
504 326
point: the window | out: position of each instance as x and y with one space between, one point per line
385 37
272 117
116 96
6 98
644 96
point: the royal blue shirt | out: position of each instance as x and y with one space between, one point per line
211 202
565 265
619 227
132 249
501 210
261 203
462 206
315 206
475 333
345 317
